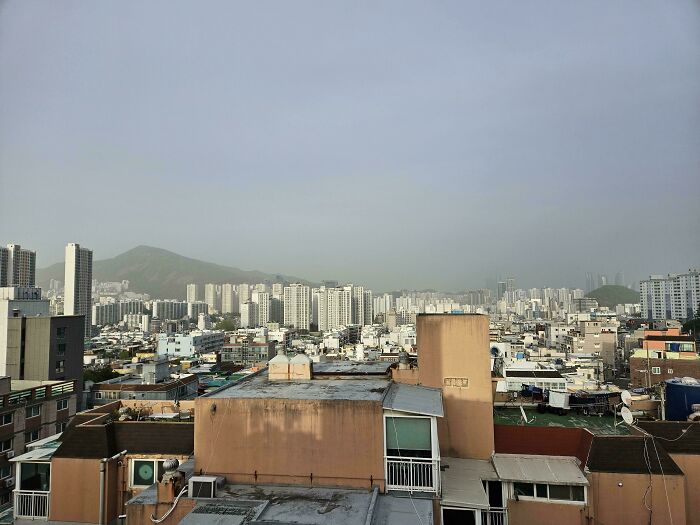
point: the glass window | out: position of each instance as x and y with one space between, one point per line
524 489
577 493
562 492
6 419
146 472
5 472
541 490
33 411
6 445
61 404
408 436
35 476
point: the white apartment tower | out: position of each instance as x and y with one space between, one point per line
212 296
262 306
17 266
676 296
78 288
229 299
297 308
192 293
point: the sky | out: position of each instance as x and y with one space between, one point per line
396 144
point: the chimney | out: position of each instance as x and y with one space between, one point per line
278 367
301 367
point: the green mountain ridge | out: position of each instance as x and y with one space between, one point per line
611 295
163 274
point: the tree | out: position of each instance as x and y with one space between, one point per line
97 375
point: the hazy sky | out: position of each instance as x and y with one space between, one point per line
396 144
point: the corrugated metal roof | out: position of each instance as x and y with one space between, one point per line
414 399
462 482
538 469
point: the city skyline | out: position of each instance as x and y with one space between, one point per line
446 146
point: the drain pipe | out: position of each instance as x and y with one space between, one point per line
103 472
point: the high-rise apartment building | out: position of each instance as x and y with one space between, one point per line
229 299
212 296
17 266
193 293
676 296
262 305
297 307
78 287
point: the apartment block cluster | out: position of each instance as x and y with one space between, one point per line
674 296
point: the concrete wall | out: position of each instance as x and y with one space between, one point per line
453 354
339 442
690 465
622 505
531 512
75 487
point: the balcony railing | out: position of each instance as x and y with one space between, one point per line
494 517
31 505
413 474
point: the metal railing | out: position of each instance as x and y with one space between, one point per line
413 474
494 517
32 505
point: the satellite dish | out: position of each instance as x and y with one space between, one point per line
626 397
627 416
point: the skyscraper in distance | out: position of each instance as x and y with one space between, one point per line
78 288
17 266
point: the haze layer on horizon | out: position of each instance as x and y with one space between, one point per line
394 144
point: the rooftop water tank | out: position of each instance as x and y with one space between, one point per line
681 395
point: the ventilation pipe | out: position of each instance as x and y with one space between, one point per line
103 472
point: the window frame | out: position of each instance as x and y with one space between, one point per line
60 402
549 498
132 462
11 415
30 433
11 447
32 407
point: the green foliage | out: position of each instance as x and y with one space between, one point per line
612 295
98 375
226 324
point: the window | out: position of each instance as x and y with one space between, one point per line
6 445
33 411
550 492
6 419
524 489
30 437
35 476
98 395
61 349
408 437
670 370
656 370
60 366
61 427
61 404
145 472
5 472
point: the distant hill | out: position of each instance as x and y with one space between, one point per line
162 274
611 295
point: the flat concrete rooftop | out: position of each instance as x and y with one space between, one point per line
259 386
284 505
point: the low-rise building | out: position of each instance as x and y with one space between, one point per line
190 344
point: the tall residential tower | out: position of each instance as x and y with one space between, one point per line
78 287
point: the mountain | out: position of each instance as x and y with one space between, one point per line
162 274
611 295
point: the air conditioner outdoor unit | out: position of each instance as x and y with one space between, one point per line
204 486
9 483
10 454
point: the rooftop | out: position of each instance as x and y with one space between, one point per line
259 386
352 368
284 505
598 425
